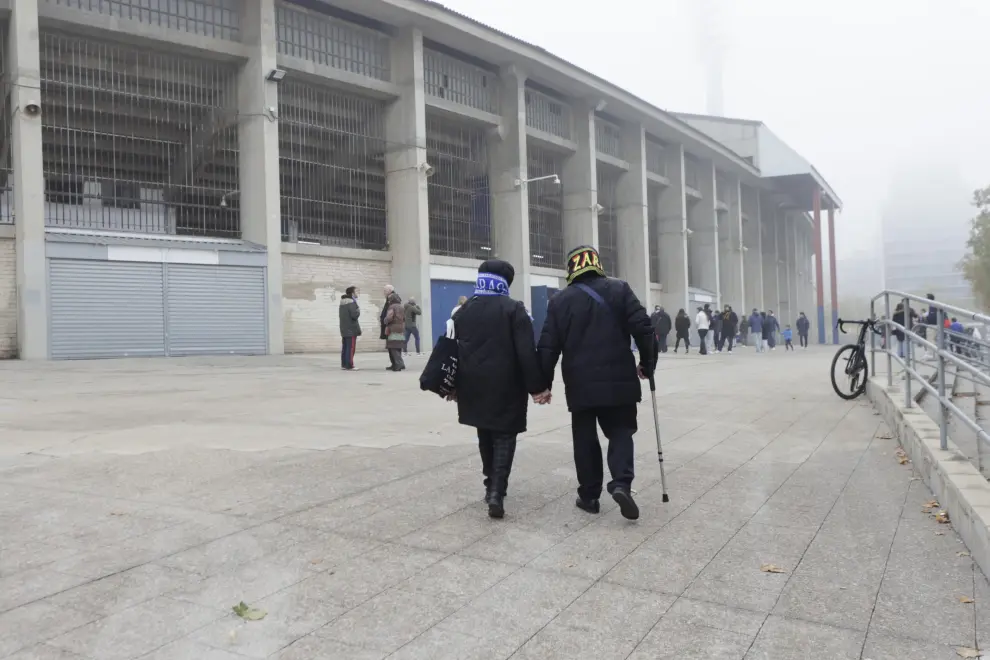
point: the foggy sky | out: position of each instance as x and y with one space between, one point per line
861 88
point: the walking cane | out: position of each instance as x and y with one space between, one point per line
656 427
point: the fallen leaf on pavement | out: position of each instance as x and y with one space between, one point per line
939 533
885 435
965 652
318 560
902 458
962 554
248 613
966 599
942 517
931 504
771 568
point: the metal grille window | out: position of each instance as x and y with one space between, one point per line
6 169
460 200
138 140
653 230
446 77
655 161
547 114
692 173
331 167
219 19
722 192
332 42
546 225
608 221
608 138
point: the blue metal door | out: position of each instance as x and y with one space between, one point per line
444 295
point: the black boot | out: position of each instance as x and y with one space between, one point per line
627 505
496 509
591 506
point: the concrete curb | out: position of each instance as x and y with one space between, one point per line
959 487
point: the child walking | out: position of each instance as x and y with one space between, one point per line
788 346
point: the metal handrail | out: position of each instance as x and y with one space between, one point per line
946 353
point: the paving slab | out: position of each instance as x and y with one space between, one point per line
141 499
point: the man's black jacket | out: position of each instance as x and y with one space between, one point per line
598 366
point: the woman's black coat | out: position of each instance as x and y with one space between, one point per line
682 324
497 366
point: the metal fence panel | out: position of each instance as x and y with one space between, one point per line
452 79
546 222
331 167
608 221
459 193
330 41
608 138
547 114
6 114
138 140
218 19
653 230
655 161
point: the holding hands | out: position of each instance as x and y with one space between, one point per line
542 398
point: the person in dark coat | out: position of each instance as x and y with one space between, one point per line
395 331
350 327
803 325
716 325
661 328
771 327
387 291
682 328
497 370
590 322
730 323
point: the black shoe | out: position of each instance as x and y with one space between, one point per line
591 506
495 506
627 505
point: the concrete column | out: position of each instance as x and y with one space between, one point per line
768 249
731 273
259 203
703 240
579 182
752 256
786 263
405 183
832 274
819 280
672 237
29 183
507 164
633 243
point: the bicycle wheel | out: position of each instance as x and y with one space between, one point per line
849 372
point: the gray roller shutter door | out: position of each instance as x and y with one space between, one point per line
103 309
214 310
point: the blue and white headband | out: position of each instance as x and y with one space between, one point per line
489 284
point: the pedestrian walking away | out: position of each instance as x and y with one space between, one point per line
498 369
588 326
350 327
661 327
803 324
682 326
395 331
787 334
703 323
716 330
387 291
756 329
413 311
730 324
771 327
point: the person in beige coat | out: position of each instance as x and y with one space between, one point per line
395 331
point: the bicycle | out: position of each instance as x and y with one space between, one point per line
855 369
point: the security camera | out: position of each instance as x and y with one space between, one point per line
598 209
556 180
32 108
427 170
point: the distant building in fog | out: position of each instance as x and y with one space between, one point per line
925 227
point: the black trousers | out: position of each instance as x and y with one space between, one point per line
687 343
497 451
618 424
725 337
395 357
804 339
662 338
702 335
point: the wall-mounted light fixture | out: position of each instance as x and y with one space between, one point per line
223 199
552 178
275 75
598 209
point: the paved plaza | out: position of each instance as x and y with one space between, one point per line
141 500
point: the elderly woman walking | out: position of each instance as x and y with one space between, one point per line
395 331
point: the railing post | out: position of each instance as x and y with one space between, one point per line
873 345
906 348
886 336
943 417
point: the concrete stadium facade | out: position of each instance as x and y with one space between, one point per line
207 177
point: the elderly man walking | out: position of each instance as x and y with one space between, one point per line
590 322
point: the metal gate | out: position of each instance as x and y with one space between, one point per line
101 309
109 309
213 310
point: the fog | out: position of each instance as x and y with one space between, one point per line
867 91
